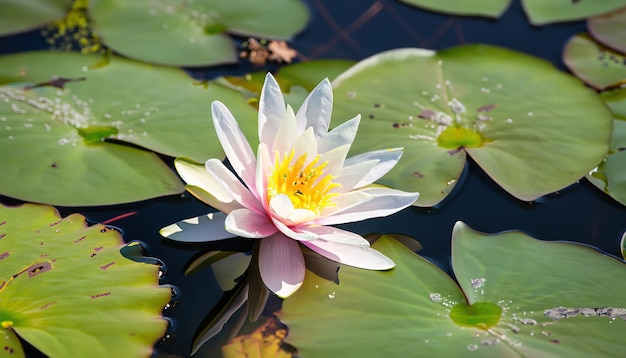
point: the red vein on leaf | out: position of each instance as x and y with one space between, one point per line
119 217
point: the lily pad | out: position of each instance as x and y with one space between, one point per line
183 33
23 15
543 12
65 119
518 297
66 289
610 175
609 29
488 8
597 65
488 102
540 12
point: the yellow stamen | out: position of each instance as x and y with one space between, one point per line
306 186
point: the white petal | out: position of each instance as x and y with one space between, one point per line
282 209
229 181
234 142
225 206
247 223
383 202
209 227
333 234
334 160
271 110
341 135
357 256
281 264
316 110
204 186
306 144
286 135
385 159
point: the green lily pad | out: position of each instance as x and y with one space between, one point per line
609 29
23 15
488 8
66 117
183 33
597 65
488 102
540 12
518 297
66 289
610 175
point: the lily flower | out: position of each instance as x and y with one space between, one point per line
297 185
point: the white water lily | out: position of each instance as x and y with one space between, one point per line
298 183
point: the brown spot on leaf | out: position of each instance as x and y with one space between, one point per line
4 255
417 174
36 269
79 240
101 295
106 267
486 108
58 82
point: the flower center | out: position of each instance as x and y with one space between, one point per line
306 186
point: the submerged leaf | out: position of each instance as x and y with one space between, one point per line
66 289
597 65
609 29
518 297
22 15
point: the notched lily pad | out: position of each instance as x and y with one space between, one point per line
66 119
597 65
470 100
517 297
66 289
191 33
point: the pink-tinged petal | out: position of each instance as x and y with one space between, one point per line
316 110
271 110
384 159
247 223
382 202
282 209
287 231
286 135
209 227
358 256
235 144
333 234
340 135
263 167
231 183
281 264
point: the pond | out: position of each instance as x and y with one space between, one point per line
579 212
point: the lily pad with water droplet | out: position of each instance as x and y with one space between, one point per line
512 113
597 65
610 175
72 127
609 29
66 289
526 298
191 33
23 15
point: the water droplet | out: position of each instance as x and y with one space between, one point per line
435 297
485 90
331 295
472 347
530 114
477 282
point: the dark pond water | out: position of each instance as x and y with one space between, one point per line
354 30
